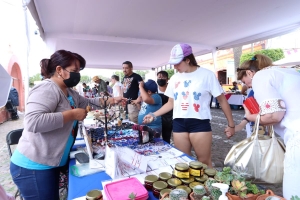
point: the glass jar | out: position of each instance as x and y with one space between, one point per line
193 184
196 168
173 183
185 188
149 180
182 170
163 192
201 179
187 181
210 172
164 176
158 186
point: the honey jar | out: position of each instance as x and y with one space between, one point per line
201 179
182 170
158 186
193 184
149 180
164 176
173 183
196 168
210 172
187 181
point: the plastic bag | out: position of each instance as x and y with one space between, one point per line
84 169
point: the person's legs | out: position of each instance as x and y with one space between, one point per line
182 142
201 142
36 184
133 113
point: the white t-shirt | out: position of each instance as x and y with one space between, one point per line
192 93
280 83
115 91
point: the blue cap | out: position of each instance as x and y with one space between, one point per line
150 85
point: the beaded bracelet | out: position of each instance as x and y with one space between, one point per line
231 126
154 117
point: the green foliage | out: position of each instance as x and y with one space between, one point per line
170 72
252 188
215 193
274 54
132 196
199 190
239 188
295 198
36 77
142 73
85 79
209 183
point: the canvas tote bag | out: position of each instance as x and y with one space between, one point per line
262 155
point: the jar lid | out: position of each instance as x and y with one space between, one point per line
94 194
181 166
160 185
188 180
174 182
204 166
196 164
193 184
185 188
165 175
201 179
210 172
164 191
151 178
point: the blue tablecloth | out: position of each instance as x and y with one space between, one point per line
79 186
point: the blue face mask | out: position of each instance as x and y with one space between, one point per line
73 80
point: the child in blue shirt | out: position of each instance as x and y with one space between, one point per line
151 102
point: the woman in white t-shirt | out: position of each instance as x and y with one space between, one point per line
189 93
117 86
277 91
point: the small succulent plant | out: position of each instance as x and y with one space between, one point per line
239 187
132 196
209 182
241 172
295 198
205 198
178 194
199 190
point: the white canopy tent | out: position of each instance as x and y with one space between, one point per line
108 32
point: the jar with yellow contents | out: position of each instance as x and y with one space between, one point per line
196 168
181 170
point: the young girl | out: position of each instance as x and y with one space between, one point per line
189 93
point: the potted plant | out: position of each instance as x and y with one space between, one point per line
224 176
198 192
243 190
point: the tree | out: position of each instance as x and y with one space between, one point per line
274 54
85 79
142 73
36 77
170 72
120 74
237 52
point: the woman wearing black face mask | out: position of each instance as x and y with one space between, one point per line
167 118
52 113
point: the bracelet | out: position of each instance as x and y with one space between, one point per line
231 126
246 119
154 117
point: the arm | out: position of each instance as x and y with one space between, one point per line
165 108
266 119
226 109
240 126
145 96
244 90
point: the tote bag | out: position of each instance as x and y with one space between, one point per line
262 155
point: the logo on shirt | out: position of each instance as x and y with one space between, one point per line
185 95
196 107
196 95
175 95
187 83
184 106
177 84
127 83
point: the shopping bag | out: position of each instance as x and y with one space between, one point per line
261 155
252 105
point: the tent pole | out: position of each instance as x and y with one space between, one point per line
214 55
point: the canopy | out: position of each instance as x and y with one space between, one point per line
109 32
289 60
5 82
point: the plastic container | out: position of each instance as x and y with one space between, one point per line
122 189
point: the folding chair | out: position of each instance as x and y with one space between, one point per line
12 138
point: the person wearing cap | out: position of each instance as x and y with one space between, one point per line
102 86
151 102
189 93
130 83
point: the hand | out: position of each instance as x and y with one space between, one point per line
247 112
229 132
141 84
79 114
135 102
148 119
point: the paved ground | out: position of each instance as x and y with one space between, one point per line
220 147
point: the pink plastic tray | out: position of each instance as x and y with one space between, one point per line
121 190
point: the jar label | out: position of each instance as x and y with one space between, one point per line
195 172
181 174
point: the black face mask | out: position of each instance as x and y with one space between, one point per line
161 82
73 80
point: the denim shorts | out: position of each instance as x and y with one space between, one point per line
191 125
